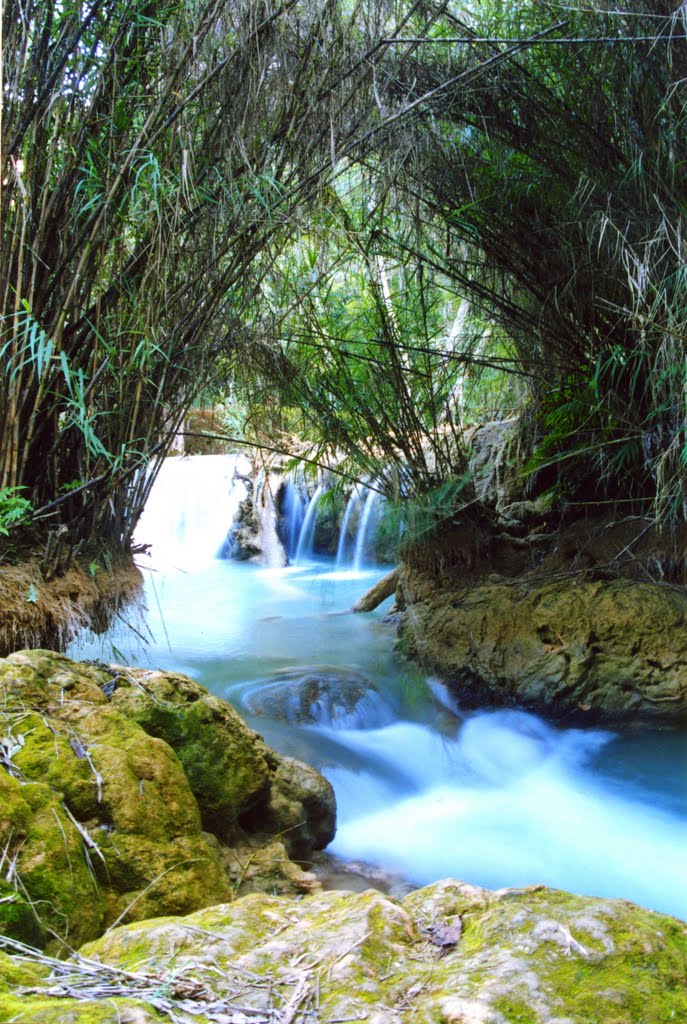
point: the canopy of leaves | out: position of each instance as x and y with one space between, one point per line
357 216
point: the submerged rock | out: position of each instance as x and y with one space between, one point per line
122 792
613 651
447 954
335 697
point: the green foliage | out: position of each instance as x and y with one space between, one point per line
15 510
558 179
366 243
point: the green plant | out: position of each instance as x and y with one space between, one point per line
15 510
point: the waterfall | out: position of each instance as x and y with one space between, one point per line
352 502
293 513
363 526
307 534
192 506
267 537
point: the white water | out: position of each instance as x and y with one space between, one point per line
343 532
361 538
307 534
494 797
191 508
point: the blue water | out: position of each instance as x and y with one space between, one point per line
494 797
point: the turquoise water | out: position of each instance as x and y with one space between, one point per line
494 797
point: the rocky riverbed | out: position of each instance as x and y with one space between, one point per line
145 825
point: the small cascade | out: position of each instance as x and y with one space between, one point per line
273 554
192 506
307 534
363 529
343 534
293 513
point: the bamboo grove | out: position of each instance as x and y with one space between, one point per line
355 219
149 151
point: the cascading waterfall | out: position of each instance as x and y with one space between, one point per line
363 527
343 533
182 528
307 534
293 515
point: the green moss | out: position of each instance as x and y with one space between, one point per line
516 1011
41 680
15 812
54 871
20 972
223 763
47 756
18 919
47 1010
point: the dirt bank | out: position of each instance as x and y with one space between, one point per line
39 613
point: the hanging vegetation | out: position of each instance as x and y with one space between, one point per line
559 177
353 217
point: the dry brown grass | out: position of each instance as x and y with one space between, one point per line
36 613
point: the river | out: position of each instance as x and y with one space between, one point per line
493 797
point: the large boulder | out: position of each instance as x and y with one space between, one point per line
600 650
123 793
448 954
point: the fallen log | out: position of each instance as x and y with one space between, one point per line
375 595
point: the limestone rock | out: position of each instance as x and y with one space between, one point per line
495 461
222 758
301 808
534 956
612 651
340 698
118 788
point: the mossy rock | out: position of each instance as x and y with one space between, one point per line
45 681
48 1010
51 874
223 759
105 769
18 919
533 955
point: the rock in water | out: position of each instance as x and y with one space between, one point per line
610 651
530 955
323 695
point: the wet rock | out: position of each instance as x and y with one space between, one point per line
613 651
532 955
335 697
254 536
121 791
301 809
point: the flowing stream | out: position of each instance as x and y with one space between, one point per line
494 797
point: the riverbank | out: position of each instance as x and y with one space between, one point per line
581 621
35 612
